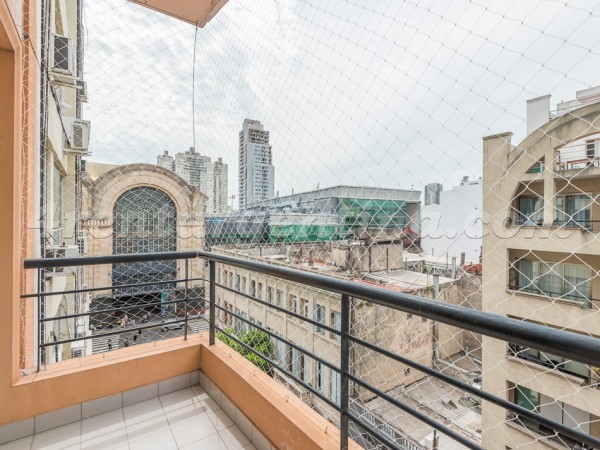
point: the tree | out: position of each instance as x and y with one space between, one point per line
256 339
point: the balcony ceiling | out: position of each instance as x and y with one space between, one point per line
195 12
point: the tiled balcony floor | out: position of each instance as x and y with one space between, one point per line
185 419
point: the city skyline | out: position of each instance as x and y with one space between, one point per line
209 177
400 122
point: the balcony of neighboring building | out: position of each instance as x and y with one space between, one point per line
567 221
558 409
566 282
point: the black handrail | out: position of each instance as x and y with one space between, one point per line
49 263
570 345
575 346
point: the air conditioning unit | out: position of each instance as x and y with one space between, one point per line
62 251
57 236
78 135
83 92
62 56
82 242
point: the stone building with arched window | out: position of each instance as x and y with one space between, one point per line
138 208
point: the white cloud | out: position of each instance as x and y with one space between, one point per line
390 93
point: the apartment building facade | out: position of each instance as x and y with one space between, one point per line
64 139
540 254
210 177
256 171
417 339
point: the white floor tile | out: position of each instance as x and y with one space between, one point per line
220 420
143 411
207 402
181 401
212 442
65 437
234 439
185 419
155 441
106 431
152 433
21 444
191 427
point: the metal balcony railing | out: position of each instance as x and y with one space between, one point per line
573 295
366 428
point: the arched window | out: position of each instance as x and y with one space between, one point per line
144 221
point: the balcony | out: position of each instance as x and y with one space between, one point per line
155 381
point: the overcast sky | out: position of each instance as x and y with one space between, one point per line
381 93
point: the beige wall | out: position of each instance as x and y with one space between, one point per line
504 170
409 336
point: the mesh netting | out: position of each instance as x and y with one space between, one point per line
341 138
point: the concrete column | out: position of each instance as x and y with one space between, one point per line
549 184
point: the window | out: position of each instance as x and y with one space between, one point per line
336 323
238 324
530 211
553 409
279 297
230 279
260 291
280 350
556 280
305 307
549 360
320 375
319 316
244 324
244 285
334 387
298 364
590 148
237 282
253 288
271 294
293 303
574 210
144 221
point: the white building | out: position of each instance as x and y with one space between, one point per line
220 177
256 171
454 226
198 170
165 160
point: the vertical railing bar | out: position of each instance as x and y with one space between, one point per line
211 276
39 312
344 369
186 299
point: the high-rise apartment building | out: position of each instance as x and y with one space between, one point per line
165 160
256 171
540 259
198 170
220 177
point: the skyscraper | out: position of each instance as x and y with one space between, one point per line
199 171
165 160
256 171
219 186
